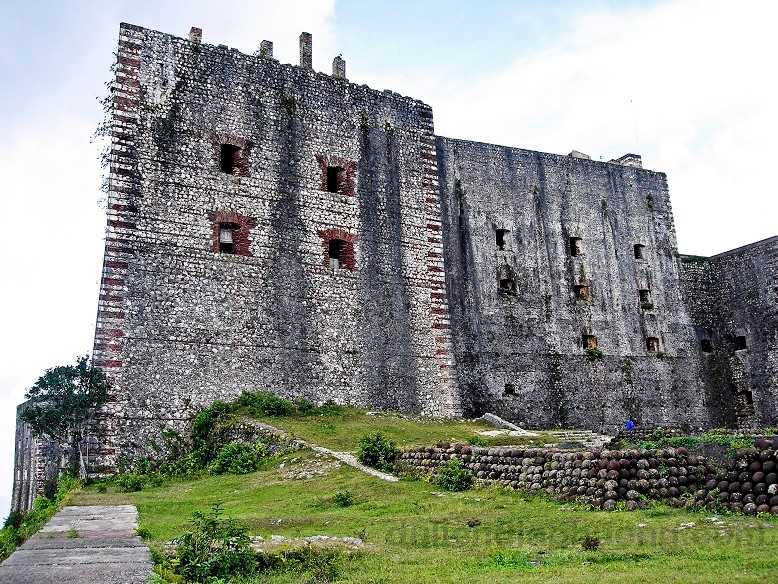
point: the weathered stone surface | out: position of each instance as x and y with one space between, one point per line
105 551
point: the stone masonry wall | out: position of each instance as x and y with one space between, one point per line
733 300
36 466
521 354
286 159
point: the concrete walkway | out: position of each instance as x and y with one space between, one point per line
91 544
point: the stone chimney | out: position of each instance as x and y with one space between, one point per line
339 67
266 49
306 50
195 34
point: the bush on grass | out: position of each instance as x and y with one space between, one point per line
452 477
376 450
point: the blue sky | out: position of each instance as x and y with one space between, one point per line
688 84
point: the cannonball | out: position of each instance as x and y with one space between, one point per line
749 498
711 484
746 487
762 500
760 489
736 497
736 507
749 509
774 510
768 466
762 508
609 505
734 487
771 479
755 466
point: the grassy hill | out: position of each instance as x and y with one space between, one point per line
416 533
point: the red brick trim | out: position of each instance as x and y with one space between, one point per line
346 179
243 160
347 256
240 235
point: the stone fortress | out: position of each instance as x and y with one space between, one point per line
273 228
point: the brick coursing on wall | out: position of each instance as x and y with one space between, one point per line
416 320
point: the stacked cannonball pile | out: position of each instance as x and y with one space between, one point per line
748 483
605 478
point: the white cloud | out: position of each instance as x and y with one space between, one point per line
698 74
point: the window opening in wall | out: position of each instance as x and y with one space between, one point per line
333 178
749 397
501 233
652 344
706 345
509 389
589 341
638 251
740 343
229 158
576 246
336 247
582 292
226 232
645 295
507 287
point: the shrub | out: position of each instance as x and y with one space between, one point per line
213 548
264 404
452 477
238 458
376 450
477 441
129 482
593 354
344 498
590 543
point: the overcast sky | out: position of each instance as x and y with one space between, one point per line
688 84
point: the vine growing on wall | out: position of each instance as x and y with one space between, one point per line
102 133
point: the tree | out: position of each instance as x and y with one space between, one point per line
62 400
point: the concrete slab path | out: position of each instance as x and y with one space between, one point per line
93 544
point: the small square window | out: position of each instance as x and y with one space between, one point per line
334 178
507 287
638 250
226 232
509 389
589 341
740 343
582 292
501 233
652 344
576 246
645 295
229 158
706 345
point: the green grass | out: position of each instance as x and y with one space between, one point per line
419 534
340 430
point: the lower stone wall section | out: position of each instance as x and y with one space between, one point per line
611 479
36 466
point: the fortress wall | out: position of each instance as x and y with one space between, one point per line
207 138
521 356
36 466
735 308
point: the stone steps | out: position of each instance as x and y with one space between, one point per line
93 544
